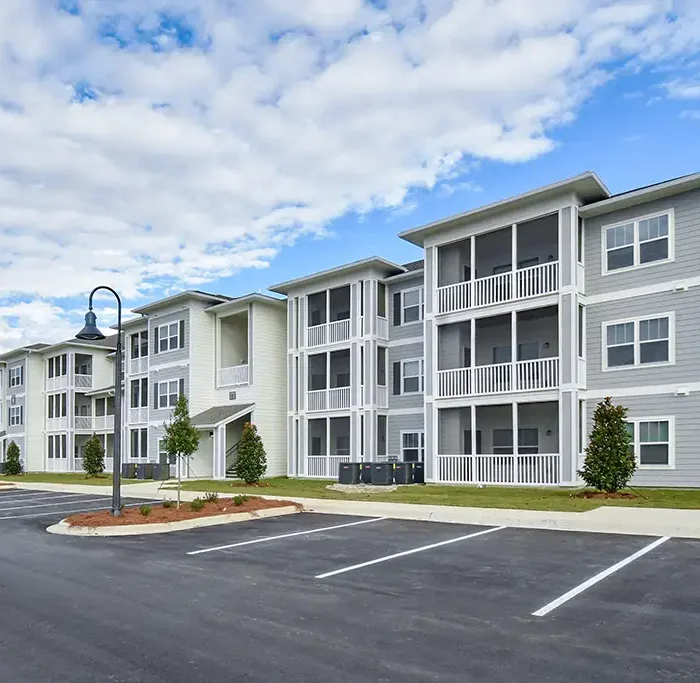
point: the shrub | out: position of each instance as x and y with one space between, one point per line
196 505
252 460
13 465
168 504
212 497
145 510
94 458
609 462
239 500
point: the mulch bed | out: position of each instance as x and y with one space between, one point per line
607 496
159 514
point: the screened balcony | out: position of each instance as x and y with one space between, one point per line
328 381
233 350
328 317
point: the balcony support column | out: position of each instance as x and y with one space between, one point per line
514 255
472 409
514 417
472 258
513 348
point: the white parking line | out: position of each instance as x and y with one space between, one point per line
21 493
274 538
31 499
598 577
409 552
89 499
72 512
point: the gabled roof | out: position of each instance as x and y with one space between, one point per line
30 348
182 296
213 417
246 299
586 185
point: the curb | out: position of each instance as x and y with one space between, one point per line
65 529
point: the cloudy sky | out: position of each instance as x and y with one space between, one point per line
226 145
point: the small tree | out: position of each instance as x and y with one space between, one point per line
94 458
13 465
610 462
251 463
181 439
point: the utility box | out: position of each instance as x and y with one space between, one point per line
161 472
349 473
418 472
144 470
129 470
403 472
366 472
382 473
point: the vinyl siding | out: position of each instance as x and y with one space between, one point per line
402 423
160 415
22 388
410 330
686 306
397 354
176 355
686 208
102 370
202 360
34 413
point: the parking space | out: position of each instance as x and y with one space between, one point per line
324 597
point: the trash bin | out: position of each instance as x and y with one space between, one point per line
129 470
349 473
418 472
2 468
161 471
366 472
382 473
144 470
403 473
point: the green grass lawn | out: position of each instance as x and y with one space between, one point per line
66 478
466 496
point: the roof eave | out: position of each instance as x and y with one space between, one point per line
155 305
246 299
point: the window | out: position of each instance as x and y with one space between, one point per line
16 376
581 331
528 441
139 344
411 376
381 366
638 342
381 300
381 435
637 243
57 366
163 457
167 392
139 444
169 337
139 393
412 446
16 416
652 441
57 405
57 447
501 354
411 303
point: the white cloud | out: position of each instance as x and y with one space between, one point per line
693 114
196 162
679 89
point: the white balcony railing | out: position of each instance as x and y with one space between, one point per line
328 333
382 396
56 383
56 424
83 422
524 283
83 381
233 376
337 398
526 375
382 328
138 366
538 469
104 422
324 465
138 415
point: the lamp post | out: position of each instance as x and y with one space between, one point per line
91 333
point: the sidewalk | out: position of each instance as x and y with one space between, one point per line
604 520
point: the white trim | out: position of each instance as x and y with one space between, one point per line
15 373
167 393
16 420
671 441
406 342
648 390
636 243
421 305
671 286
421 376
169 337
157 367
636 321
405 411
421 443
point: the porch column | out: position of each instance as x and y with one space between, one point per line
514 417
472 257
472 342
514 247
219 452
513 349
473 428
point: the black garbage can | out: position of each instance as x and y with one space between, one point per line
161 471
366 472
403 472
144 470
418 472
382 473
349 473
129 470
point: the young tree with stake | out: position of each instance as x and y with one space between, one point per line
181 439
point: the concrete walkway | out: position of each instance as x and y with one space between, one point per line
605 519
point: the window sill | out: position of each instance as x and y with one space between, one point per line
642 366
628 269
656 467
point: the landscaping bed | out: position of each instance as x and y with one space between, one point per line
159 514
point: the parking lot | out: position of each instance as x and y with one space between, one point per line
333 598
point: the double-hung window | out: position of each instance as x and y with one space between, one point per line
139 344
139 393
167 392
652 442
16 416
412 446
639 342
139 444
169 337
638 242
16 376
411 376
408 306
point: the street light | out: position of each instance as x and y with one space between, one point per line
91 333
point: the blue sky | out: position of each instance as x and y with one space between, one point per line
157 145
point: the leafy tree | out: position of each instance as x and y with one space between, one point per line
181 439
251 463
13 465
94 458
609 462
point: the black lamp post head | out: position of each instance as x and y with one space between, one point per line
90 332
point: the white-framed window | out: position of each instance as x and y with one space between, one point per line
167 393
139 393
412 380
653 440
57 447
16 376
16 416
412 305
168 337
639 342
139 444
163 457
57 405
413 446
139 344
528 441
640 242
57 366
